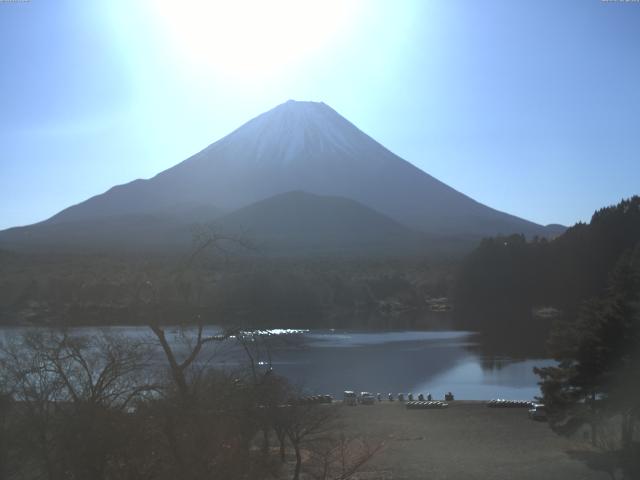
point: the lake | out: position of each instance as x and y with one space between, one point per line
331 361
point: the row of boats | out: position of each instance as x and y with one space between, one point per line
537 411
313 399
502 403
426 405
368 398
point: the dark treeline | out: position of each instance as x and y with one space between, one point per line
255 291
507 280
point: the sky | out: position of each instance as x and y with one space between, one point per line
530 107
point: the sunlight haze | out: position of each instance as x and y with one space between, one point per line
96 94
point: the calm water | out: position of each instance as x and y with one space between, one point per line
411 361
331 361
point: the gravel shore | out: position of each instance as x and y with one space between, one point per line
466 441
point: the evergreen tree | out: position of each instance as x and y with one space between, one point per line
500 282
599 358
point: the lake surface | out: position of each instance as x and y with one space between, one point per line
331 361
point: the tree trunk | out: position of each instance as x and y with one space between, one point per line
46 456
282 450
594 433
280 435
174 447
627 426
265 440
4 445
296 473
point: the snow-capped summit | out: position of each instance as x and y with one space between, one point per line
295 130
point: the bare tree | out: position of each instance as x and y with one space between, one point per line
179 368
27 380
304 424
6 404
147 300
339 458
74 395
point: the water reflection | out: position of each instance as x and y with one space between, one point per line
411 361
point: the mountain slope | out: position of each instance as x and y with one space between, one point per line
129 232
301 146
159 230
306 146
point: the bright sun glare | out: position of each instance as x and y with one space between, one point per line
251 39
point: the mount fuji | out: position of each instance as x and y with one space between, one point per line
302 147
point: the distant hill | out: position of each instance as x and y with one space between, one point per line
299 222
554 230
297 146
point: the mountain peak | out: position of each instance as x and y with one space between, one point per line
292 102
301 106
301 110
295 130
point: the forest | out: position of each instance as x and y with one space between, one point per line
96 290
580 292
508 283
